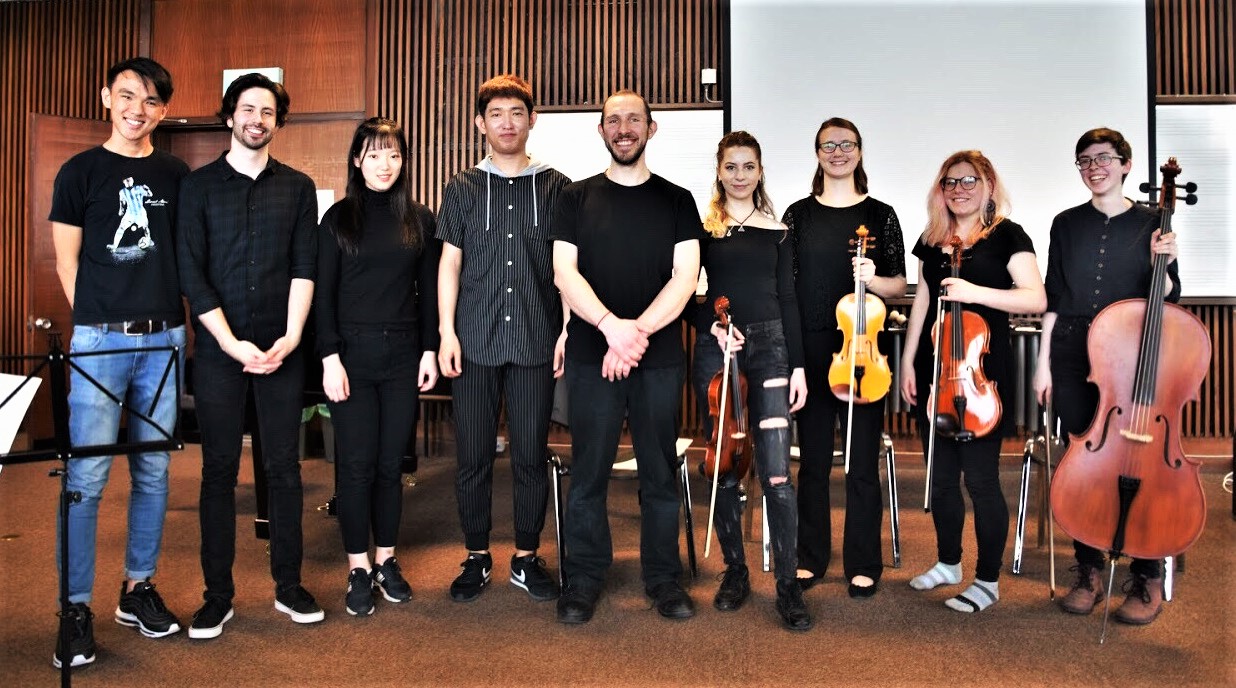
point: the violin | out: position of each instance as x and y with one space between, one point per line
1126 486
966 402
859 372
730 449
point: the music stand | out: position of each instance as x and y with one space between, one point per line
57 362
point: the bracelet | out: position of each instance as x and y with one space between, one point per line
602 318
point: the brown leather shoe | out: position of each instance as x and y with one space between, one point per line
1087 592
1143 602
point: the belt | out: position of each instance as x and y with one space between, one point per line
135 328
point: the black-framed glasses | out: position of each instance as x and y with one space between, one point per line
1085 162
832 146
967 182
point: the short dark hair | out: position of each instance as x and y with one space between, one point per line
152 74
254 80
627 92
504 86
1104 135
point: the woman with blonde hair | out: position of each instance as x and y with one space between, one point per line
998 276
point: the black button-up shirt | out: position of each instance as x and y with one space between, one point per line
1094 261
241 242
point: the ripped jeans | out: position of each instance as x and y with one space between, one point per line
764 359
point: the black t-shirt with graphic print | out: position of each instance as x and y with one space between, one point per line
126 209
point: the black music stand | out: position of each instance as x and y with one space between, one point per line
57 362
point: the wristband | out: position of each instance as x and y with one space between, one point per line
603 317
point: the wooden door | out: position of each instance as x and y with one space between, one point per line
50 142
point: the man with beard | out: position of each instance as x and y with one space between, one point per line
248 250
626 258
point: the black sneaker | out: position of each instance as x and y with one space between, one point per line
791 607
390 581
144 609
208 621
577 604
297 603
735 587
672 601
529 573
81 637
359 598
472 578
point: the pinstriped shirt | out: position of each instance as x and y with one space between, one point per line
509 310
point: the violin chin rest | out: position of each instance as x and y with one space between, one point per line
947 425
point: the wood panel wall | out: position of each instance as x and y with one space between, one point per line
54 60
432 55
1195 42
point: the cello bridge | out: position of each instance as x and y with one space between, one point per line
1136 436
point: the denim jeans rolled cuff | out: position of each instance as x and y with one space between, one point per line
146 383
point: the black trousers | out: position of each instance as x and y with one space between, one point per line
477 395
373 426
1074 401
220 389
864 501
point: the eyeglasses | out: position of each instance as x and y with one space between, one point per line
967 182
845 146
1085 162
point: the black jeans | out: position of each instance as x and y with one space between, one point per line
649 400
1074 400
763 358
477 395
373 426
864 501
220 391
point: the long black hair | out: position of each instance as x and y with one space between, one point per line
348 224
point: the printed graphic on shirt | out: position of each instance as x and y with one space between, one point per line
132 241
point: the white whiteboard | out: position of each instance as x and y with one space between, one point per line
683 150
1019 79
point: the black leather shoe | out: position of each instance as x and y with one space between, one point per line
791 607
672 601
735 587
576 605
862 592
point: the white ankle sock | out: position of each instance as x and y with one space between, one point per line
940 574
980 595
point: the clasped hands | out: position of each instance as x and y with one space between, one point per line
628 340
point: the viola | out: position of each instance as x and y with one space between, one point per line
1126 486
859 372
731 448
966 402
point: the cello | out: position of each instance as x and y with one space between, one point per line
731 447
1126 486
859 373
964 403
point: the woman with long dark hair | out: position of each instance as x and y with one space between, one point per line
998 276
746 256
377 327
821 228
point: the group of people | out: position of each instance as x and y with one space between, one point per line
521 278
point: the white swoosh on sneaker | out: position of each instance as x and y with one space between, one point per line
520 577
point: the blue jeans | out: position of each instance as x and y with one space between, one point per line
763 357
649 401
94 419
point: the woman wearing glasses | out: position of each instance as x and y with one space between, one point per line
821 228
999 275
1098 255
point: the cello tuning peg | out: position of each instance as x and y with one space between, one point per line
1190 199
1190 187
1146 187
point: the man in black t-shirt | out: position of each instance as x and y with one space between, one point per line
626 257
121 284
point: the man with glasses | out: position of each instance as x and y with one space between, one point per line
1100 252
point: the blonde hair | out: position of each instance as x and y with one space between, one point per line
717 219
940 220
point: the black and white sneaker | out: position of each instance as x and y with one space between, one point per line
144 609
359 598
389 579
297 603
528 572
473 577
208 621
81 637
